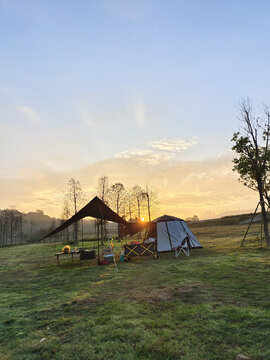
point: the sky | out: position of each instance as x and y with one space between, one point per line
143 91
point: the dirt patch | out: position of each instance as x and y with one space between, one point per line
163 293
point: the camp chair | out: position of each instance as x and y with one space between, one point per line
108 254
87 255
182 248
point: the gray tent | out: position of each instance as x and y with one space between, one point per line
173 234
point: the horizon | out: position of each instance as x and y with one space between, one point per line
143 92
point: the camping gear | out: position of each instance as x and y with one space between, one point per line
95 208
103 262
65 253
108 255
173 234
98 209
66 249
87 254
122 256
139 249
166 233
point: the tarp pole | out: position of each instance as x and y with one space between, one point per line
251 221
82 233
98 246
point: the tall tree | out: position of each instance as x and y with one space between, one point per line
103 188
137 192
129 203
103 194
151 197
251 144
75 197
66 214
117 192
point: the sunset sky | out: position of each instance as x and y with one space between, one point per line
144 91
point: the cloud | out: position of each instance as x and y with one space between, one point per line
30 115
159 151
205 188
173 145
145 156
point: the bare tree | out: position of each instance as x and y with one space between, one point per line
103 194
151 197
129 201
75 198
66 212
103 188
117 192
137 192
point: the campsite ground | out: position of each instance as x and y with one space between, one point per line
212 305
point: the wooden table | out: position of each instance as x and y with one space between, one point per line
61 253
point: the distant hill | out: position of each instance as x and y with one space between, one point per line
229 220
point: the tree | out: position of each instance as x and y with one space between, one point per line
117 192
137 192
10 227
66 215
103 194
151 198
103 188
74 196
253 161
190 219
129 201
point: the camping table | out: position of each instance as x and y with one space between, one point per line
139 249
61 253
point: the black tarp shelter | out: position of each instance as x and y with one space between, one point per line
95 208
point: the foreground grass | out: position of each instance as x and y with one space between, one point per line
212 305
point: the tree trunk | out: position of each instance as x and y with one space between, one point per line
149 214
139 209
76 233
263 212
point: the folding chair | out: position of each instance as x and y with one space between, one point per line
182 247
109 255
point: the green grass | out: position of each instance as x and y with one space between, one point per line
212 305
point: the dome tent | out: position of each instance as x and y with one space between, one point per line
173 234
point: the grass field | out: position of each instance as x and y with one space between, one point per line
212 305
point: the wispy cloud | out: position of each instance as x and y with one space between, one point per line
158 151
173 145
30 115
147 156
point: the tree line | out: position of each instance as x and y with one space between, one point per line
17 227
